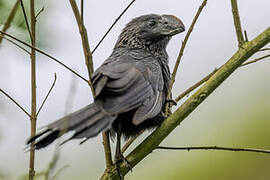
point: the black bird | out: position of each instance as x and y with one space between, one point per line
130 86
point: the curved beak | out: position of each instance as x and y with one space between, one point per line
172 25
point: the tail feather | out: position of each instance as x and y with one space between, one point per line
74 119
51 137
31 139
86 123
94 129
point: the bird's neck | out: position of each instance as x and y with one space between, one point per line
156 48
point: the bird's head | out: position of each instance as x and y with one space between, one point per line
148 29
153 26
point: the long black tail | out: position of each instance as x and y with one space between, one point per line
86 123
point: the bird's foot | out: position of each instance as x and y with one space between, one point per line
118 159
171 101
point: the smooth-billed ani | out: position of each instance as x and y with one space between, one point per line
130 86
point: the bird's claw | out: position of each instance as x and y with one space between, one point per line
118 159
171 101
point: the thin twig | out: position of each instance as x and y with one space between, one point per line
255 60
237 23
49 92
19 46
33 118
10 18
39 12
246 36
82 11
196 85
130 141
215 148
180 55
15 102
116 20
26 21
89 64
85 43
68 106
189 90
107 150
45 54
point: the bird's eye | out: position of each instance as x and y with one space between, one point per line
152 23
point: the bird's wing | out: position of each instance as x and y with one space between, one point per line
126 84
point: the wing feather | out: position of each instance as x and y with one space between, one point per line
130 85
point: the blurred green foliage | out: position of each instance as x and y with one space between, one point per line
18 23
2 176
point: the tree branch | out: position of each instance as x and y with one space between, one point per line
107 150
49 92
105 135
15 102
237 23
33 89
116 20
181 52
10 18
215 148
82 11
85 43
89 64
152 141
